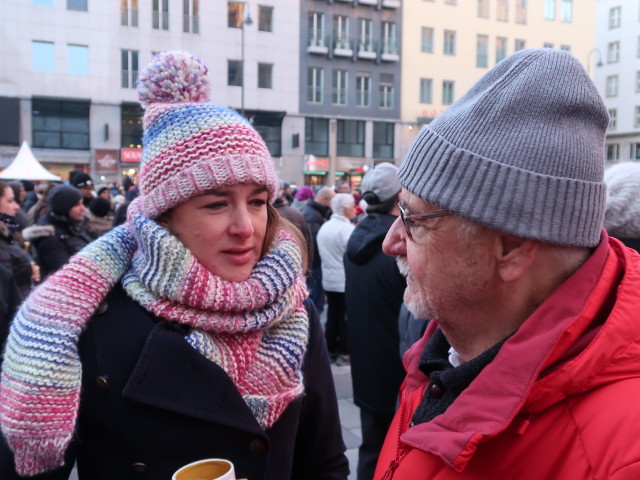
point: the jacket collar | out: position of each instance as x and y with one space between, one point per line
503 388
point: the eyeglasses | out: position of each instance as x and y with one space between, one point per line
409 220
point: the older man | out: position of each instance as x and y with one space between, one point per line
531 367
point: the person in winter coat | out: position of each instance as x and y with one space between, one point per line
316 212
622 214
184 334
12 255
373 295
98 221
332 243
60 234
529 368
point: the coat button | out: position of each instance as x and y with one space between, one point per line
257 445
102 308
139 467
103 382
435 390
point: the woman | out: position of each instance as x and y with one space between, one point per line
60 233
332 244
12 255
197 338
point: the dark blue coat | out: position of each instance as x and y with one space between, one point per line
151 403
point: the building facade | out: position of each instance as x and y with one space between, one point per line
69 70
618 76
349 86
449 44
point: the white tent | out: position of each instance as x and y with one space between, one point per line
26 167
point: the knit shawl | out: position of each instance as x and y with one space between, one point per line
256 330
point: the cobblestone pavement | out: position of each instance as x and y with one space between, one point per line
349 415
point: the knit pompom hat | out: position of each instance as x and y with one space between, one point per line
521 152
622 216
191 146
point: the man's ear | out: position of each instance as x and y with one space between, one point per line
514 256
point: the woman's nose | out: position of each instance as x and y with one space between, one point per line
394 243
241 223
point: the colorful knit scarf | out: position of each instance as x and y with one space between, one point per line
256 330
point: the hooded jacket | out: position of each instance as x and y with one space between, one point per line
559 400
373 294
15 259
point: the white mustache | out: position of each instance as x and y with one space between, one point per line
403 266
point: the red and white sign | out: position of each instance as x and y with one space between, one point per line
130 155
106 161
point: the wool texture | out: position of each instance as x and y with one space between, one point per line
256 330
521 152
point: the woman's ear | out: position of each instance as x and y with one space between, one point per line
514 256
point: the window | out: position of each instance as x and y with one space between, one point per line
316 29
340 84
77 5
501 48
521 11
190 16
447 92
386 91
614 17
350 138
383 135
613 52
451 2
566 48
78 59
60 124
234 73
566 11
612 85
42 3
613 118
634 153
161 14
315 85
363 90
129 66
365 39
389 38
43 56
449 42
235 14
269 126
613 152
520 44
10 121
129 13
503 10
483 8
265 19
550 9
341 31
638 81
547 45
638 48
265 75
131 125
636 122
426 90
482 51
316 136
426 40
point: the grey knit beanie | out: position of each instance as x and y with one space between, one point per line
521 152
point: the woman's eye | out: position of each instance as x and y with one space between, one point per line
258 202
216 205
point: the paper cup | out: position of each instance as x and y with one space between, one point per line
208 469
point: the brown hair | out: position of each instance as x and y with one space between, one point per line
274 223
3 187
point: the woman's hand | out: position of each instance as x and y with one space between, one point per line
35 272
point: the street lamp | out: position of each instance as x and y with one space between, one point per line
246 20
599 64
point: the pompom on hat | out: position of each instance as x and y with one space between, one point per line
191 146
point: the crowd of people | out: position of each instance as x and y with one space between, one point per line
486 296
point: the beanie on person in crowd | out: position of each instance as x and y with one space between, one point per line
81 180
100 207
63 198
380 184
521 152
622 216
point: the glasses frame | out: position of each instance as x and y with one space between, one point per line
408 220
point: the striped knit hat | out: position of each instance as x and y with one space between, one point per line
190 145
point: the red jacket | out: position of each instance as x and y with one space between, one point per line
561 400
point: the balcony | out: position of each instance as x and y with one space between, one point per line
389 51
317 43
367 48
342 47
391 3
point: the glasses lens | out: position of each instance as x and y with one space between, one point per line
405 222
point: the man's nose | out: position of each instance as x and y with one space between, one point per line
395 243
